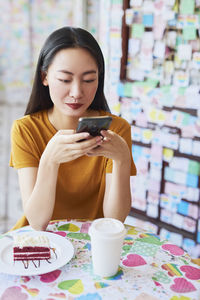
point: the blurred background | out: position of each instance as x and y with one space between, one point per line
152 56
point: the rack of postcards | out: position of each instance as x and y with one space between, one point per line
159 93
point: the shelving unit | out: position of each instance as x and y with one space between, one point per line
159 96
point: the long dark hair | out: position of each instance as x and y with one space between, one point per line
63 38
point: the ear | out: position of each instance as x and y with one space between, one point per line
44 78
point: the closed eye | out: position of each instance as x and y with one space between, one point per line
64 80
68 80
88 81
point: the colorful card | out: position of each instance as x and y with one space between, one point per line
187 7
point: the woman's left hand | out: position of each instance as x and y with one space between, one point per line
113 146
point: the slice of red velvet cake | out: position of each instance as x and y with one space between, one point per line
29 247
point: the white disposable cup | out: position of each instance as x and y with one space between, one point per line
107 235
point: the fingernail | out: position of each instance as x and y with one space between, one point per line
86 134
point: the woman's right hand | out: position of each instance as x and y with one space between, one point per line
64 146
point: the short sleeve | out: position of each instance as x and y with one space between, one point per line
124 130
23 147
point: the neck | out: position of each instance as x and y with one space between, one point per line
60 121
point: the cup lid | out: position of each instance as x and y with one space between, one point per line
107 227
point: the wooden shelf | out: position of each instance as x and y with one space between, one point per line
173 130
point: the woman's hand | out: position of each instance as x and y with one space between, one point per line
65 146
112 146
117 196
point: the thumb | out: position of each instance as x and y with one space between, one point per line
107 134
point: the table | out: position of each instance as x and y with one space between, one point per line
149 269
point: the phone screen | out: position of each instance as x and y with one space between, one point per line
94 125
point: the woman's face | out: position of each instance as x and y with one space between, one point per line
72 79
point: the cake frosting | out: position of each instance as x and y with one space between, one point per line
27 240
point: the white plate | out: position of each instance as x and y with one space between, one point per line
64 253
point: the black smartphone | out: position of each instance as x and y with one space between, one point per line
93 125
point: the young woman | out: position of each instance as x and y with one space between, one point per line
61 176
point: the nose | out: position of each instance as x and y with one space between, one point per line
76 90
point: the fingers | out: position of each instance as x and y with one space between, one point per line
75 143
110 145
81 148
69 136
88 144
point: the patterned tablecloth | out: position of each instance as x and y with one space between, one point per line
149 269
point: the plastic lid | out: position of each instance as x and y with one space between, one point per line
107 227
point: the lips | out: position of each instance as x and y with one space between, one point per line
74 105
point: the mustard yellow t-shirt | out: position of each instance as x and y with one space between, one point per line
81 182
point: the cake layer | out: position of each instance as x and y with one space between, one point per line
32 254
31 257
30 249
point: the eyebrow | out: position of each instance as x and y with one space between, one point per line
84 73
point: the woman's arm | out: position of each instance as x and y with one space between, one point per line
117 197
38 185
38 188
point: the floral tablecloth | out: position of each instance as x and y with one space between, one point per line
149 269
